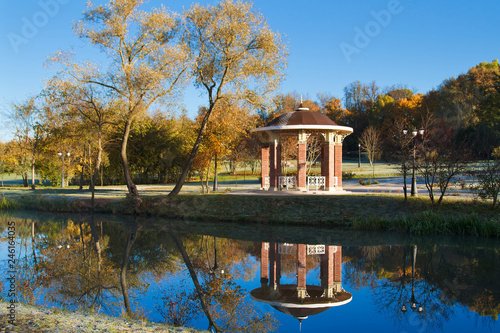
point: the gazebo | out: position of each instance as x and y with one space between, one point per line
302 123
301 300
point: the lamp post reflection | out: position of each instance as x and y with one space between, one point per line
215 269
414 305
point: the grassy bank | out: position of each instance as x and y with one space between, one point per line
456 216
31 318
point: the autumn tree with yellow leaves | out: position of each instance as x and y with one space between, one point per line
147 63
235 57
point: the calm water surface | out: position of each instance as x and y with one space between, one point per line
253 278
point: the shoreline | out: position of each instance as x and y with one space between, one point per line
457 215
32 318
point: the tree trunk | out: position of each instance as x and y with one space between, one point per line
132 189
197 285
91 186
82 240
208 176
196 146
123 275
201 182
96 167
33 174
83 168
216 184
95 236
33 243
404 181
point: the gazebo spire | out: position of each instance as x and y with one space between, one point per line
301 107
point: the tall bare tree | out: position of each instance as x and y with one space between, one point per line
94 109
399 148
26 119
147 64
236 56
441 158
371 144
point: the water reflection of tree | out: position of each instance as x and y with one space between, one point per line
361 271
26 260
444 276
407 285
224 302
141 255
73 270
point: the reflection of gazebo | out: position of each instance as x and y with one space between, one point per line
302 123
301 300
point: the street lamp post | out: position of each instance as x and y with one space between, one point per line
359 155
414 191
61 155
405 131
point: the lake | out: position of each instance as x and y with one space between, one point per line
252 278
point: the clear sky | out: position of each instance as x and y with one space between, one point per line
331 42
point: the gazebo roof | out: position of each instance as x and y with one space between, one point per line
303 119
289 304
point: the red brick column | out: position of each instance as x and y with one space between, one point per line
264 264
327 267
301 265
301 271
264 170
275 165
274 265
323 159
301 166
328 163
337 265
338 165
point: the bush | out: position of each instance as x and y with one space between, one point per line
369 182
487 184
7 204
348 175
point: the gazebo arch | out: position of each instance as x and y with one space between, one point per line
302 123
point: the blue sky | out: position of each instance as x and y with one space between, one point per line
332 43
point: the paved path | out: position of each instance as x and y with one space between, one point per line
252 187
351 186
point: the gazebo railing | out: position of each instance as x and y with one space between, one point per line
319 181
316 181
267 183
287 181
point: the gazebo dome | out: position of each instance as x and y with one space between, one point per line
303 119
285 300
